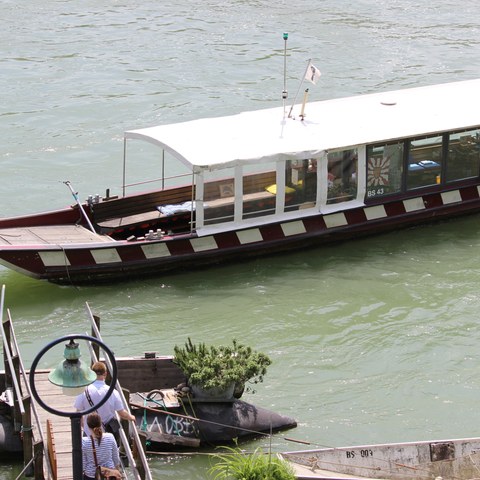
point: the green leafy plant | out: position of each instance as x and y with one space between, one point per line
218 367
236 465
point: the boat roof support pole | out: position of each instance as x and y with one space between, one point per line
198 193
124 165
361 172
192 210
238 206
163 169
280 196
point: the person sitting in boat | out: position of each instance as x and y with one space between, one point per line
331 178
92 396
98 449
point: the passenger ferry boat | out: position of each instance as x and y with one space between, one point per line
267 181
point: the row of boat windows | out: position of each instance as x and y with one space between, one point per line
392 168
259 187
436 160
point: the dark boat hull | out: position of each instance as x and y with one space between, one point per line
96 262
218 423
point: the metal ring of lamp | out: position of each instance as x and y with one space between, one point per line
88 410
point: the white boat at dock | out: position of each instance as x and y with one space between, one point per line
263 182
432 460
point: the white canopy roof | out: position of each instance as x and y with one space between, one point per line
269 135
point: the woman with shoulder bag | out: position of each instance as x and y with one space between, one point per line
99 452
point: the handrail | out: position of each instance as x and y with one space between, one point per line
8 352
33 405
159 179
124 439
27 385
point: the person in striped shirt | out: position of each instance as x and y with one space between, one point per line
106 449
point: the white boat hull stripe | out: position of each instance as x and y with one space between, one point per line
293 228
451 197
54 259
373 213
106 255
414 204
249 236
155 250
202 244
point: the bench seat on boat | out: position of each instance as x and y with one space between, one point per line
126 212
130 220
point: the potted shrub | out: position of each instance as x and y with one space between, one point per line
236 465
219 371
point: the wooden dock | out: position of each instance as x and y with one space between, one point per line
46 437
59 438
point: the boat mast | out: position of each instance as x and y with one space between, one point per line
285 92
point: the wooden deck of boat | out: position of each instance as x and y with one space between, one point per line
50 235
61 426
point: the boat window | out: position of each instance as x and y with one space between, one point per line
219 196
424 162
342 175
301 183
384 169
259 190
463 159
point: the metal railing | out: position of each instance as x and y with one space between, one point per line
15 352
135 435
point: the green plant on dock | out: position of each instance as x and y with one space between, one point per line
218 367
237 465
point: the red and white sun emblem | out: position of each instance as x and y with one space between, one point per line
378 168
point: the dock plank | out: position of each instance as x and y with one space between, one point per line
61 426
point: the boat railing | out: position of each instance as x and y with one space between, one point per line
163 180
136 438
14 366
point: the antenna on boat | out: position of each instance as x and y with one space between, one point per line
285 92
75 196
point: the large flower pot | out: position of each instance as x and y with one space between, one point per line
213 394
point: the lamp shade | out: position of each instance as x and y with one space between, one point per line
72 372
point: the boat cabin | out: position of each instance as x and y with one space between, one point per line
255 167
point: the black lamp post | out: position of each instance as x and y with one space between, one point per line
71 373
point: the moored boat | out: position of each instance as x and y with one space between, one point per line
267 181
458 458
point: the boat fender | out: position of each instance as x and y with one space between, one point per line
9 439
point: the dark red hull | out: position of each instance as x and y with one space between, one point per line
95 262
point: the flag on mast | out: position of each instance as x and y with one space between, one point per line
312 73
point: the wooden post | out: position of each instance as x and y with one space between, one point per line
52 453
27 434
136 456
38 461
8 341
126 423
18 420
